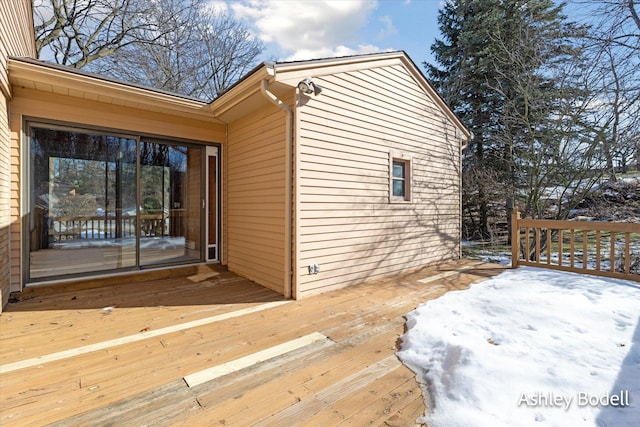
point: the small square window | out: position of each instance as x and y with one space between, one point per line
400 180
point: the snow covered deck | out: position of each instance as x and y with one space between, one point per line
213 348
530 347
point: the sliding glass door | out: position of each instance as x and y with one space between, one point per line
102 202
170 203
82 202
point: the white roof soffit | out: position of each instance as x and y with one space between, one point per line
246 88
53 78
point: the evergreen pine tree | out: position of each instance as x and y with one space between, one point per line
498 68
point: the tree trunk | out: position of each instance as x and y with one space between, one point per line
509 209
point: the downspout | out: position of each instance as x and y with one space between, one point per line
264 88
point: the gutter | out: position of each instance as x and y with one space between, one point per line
264 89
466 142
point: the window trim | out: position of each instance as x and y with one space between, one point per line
406 159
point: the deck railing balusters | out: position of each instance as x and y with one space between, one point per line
625 267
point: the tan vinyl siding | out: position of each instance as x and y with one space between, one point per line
15 245
16 35
224 188
51 106
346 223
45 106
17 39
255 197
5 202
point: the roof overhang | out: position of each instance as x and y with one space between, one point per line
290 73
45 77
245 96
337 64
238 101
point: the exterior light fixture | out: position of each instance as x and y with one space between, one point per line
307 87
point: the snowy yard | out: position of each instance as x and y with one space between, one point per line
530 347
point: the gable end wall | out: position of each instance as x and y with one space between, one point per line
346 223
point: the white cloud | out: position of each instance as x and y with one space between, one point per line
309 29
389 29
218 6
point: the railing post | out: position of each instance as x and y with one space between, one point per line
515 238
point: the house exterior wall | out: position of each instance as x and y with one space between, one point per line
5 201
346 222
16 35
46 105
255 197
15 39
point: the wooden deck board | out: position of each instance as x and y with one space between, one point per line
142 382
390 404
349 404
308 408
284 390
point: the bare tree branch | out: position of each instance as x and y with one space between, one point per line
178 45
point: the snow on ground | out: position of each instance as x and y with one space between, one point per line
484 254
154 242
530 347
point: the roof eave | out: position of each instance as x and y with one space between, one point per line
328 62
42 73
243 89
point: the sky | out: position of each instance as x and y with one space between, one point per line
309 29
529 347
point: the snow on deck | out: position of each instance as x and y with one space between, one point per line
530 347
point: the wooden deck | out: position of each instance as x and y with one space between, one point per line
119 355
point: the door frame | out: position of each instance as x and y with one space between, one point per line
212 151
207 148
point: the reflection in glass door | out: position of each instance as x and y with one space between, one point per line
100 202
170 207
82 202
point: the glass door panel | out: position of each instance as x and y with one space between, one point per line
100 202
170 203
80 186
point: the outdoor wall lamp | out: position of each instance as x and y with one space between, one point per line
308 87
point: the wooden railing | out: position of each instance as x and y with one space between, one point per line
108 227
610 249
88 227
